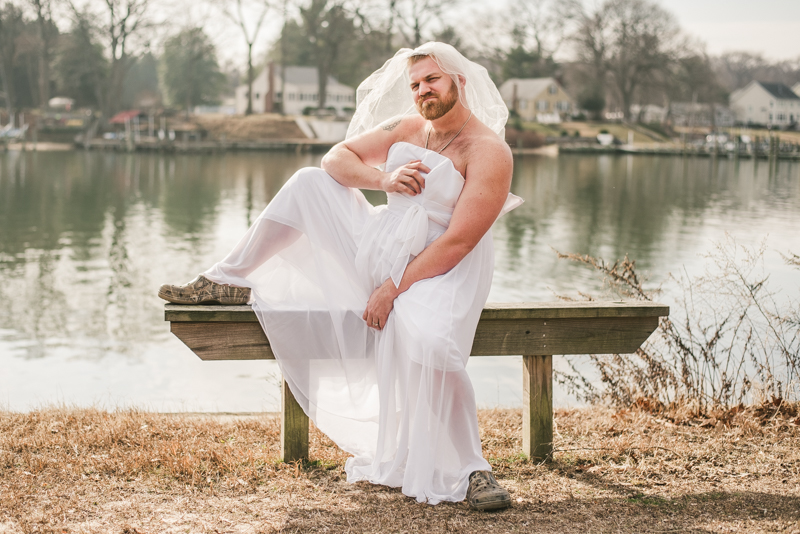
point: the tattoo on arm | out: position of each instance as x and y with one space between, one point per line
392 126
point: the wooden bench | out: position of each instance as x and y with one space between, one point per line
535 331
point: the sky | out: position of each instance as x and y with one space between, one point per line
771 27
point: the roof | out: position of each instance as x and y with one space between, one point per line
123 116
304 76
528 87
779 90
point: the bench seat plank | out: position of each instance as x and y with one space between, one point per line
515 310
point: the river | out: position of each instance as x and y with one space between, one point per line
86 238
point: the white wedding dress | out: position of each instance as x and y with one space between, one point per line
399 400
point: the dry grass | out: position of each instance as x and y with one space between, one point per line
130 472
266 126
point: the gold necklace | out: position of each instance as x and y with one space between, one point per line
427 138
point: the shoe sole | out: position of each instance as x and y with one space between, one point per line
491 505
218 302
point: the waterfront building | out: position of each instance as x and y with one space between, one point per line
694 114
537 99
301 92
766 104
648 114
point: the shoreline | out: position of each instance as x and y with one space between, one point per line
313 146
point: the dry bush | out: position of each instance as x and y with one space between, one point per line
523 138
727 343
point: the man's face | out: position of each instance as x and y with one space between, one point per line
434 91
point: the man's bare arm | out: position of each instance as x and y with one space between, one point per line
480 202
352 162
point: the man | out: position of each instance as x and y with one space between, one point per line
387 384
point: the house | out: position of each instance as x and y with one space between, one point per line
768 104
649 113
693 114
537 99
301 92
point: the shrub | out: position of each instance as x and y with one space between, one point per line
727 342
523 138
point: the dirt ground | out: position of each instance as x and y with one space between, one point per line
64 470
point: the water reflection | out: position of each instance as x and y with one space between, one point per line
87 237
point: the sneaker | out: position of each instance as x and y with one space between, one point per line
485 493
201 290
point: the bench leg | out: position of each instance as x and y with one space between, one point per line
294 427
537 406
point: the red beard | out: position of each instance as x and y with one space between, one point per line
434 109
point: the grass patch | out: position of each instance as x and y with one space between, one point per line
613 471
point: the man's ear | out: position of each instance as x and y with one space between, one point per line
462 81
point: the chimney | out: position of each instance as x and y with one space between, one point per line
514 101
269 104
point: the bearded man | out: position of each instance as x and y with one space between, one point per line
371 311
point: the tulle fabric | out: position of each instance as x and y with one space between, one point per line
399 400
385 93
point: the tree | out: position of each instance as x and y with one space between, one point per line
328 28
520 62
694 79
12 24
631 42
48 33
546 23
120 23
413 17
81 69
190 71
593 100
643 36
240 13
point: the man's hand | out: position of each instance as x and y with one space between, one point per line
406 178
380 304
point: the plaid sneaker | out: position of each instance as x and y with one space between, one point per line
485 493
201 290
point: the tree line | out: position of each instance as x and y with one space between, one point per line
608 55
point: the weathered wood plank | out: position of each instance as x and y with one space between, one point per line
294 427
224 341
537 406
612 335
601 335
493 311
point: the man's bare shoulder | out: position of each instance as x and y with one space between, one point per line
403 125
488 148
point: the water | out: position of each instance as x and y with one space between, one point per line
87 238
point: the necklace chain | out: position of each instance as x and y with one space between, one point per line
427 138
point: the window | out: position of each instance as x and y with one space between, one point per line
523 104
553 89
258 95
542 105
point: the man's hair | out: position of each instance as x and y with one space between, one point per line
419 57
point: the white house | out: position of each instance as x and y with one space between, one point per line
796 88
700 114
537 99
649 113
770 104
301 92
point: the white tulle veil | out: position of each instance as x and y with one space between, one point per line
386 92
